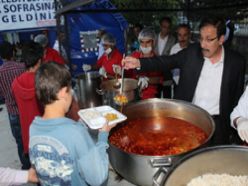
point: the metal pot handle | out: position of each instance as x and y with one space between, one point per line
160 176
161 162
99 91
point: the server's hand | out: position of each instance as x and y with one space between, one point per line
117 69
130 62
103 72
143 82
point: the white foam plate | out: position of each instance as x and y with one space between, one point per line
94 117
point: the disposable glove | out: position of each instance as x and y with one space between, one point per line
143 82
242 127
103 72
117 69
86 67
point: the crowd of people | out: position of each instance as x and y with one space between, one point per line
38 94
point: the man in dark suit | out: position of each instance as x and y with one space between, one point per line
211 76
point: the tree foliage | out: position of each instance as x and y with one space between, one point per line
194 10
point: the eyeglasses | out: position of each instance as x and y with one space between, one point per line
207 40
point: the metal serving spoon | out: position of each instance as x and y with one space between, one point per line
117 83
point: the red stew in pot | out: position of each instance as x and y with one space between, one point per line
157 136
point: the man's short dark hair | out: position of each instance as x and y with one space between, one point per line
6 50
138 25
31 54
218 23
49 80
184 25
167 19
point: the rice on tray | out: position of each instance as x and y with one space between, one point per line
219 180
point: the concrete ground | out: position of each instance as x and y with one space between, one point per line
9 156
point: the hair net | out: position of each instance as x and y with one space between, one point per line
108 39
41 39
146 33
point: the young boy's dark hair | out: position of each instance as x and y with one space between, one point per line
49 79
6 50
31 54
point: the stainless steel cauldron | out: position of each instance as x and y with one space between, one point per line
142 169
231 160
87 84
109 91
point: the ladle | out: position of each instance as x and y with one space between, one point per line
117 84
117 101
122 80
122 76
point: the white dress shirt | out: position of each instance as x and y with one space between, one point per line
175 49
207 93
241 110
161 43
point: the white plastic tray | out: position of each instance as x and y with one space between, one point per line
98 120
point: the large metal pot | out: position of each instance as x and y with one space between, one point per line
109 90
87 84
142 169
231 160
